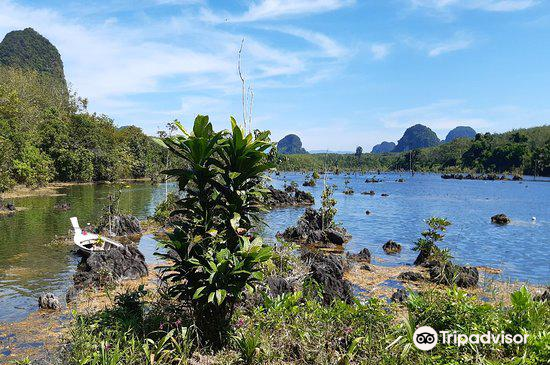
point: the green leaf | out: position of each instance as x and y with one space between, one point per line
198 292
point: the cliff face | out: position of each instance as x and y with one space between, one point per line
383 147
417 136
290 145
28 50
460 132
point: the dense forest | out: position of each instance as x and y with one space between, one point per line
522 151
46 132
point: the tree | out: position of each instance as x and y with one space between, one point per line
358 151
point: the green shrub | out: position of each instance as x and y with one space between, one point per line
222 196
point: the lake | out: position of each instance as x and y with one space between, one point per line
30 266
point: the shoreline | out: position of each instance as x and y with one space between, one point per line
28 337
51 189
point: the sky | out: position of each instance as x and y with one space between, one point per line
338 73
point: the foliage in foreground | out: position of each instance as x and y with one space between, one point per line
213 254
297 329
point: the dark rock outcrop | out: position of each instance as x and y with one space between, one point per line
544 297
121 225
460 132
48 301
278 286
290 145
288 197
362 256
328 272
410 276
417 136
116 264
310 230
449 274
383 147
371 192
500 219
9 207
62 207
400 296
391 247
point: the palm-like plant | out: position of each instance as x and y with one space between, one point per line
212 253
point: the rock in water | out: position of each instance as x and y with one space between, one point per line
121 225
288 197
328 272
391 247
500 219
449 274
309 230
48 301
118 263
362 256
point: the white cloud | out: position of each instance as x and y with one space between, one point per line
380 50
274 9
328 46
485 5
457 42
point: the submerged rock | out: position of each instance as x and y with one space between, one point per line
370 192
118 263
328 272
120 225
384 194
391 247
500 219
48 301
410 276
449 274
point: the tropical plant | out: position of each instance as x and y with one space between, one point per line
427 245
214 255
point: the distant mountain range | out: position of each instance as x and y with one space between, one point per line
417 136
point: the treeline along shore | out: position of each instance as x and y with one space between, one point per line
518 152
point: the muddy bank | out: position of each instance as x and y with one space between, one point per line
40 336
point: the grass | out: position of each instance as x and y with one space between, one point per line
296 328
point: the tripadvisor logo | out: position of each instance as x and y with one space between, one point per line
425 338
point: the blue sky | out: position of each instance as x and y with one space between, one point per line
339 73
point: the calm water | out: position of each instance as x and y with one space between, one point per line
29 266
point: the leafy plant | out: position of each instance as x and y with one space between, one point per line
328 210
214 254
427 245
